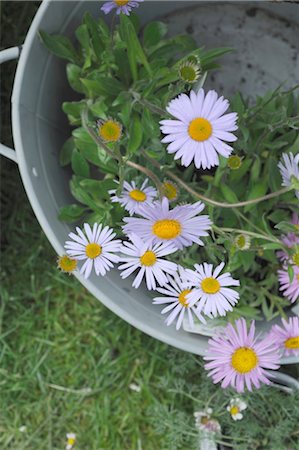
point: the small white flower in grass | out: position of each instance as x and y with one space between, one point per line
175 293
71 441
135 387
204 422
23 429
148 259
132 197
290 171
236 405
179 226
200 130
97 248
210 290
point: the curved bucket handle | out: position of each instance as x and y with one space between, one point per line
8 55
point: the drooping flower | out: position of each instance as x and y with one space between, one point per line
175 292
291 240
121 6
148 259
290 171
287 337
236 405
67 264
178 226
109 130
242 242
204 422
200 130
238 359
210 290
290 289
189 71
71 441
170 190
96 247
132 197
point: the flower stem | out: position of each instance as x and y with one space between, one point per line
154 108
249 233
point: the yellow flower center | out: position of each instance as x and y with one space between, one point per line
148 259
182 297
234 410
200 129
234 162
292 342
71 441
67 264
169 190
210 285
93 250
121 2
167 229
137 195
110 131
244 359
296 258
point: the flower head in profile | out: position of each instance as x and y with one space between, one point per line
170 190
242 242
289 288
289 169
238 359
200 129
71 441
67 264
121 6
148 259
204 421
211 291
287 336
132 196
189 71
109 130
235 408
291 241
234 162
174 297
96 248
180 226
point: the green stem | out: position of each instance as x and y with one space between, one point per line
249 233
154 108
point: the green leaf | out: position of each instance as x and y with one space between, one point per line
285 226
94 31
153 33
60 46
258 189
83 37
98 188
135 135
73 110
79 164
71 213
66 152
291 273
256 169
102 86
272 246
73 73
228 194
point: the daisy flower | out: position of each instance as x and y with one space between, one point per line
238 359
189 71
174 296
291 240
148 258
178 226
242 242
290 170
287 337
290 289
67 264
71 441
200 129
97 248
215 298
121 6
132 197
204 422
109 130
236 405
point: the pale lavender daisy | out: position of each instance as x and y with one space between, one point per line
290 170
174 295
290 289
238 359
287 337
200 130
210 290
96 247
148 259
132 196
121 6
178 226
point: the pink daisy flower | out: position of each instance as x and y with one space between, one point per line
238 360
121 6
287 337
290 289
179 226
290 240
200 129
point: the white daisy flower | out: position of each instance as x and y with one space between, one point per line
97 248
146 257
71 441
290 170
175 293
235 407
133 197
178 226
200 129
204 422
215 298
